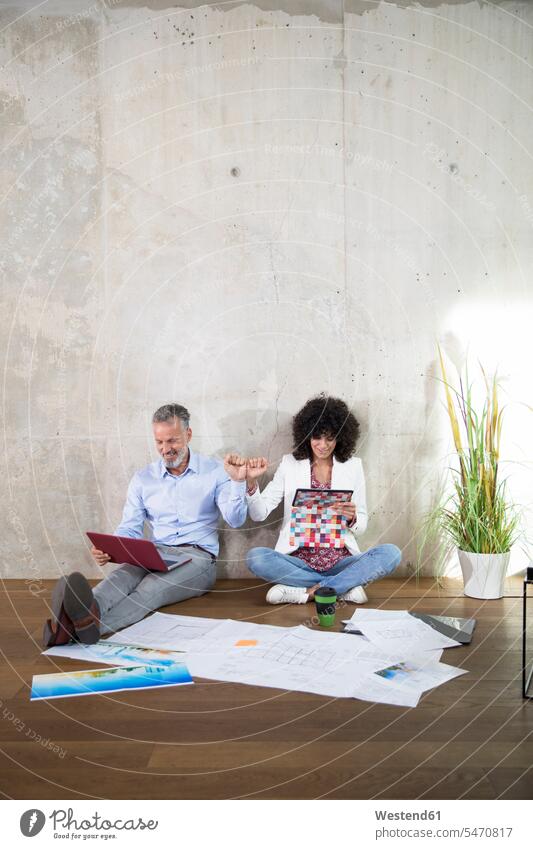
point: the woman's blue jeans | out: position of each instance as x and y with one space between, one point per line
353 571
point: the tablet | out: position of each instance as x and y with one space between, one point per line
320 497
313 523
137 552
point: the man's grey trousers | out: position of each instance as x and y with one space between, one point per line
129 593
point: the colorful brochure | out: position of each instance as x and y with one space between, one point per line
99 681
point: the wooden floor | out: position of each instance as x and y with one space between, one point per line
471 738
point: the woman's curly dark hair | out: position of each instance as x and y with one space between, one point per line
325 416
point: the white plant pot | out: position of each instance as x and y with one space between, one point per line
483 574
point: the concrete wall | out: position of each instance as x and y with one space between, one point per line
236 206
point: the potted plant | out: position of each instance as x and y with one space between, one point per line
476 518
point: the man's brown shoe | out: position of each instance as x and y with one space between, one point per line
74 613
58 631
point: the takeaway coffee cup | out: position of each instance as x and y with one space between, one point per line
326 600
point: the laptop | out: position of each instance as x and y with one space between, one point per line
137 552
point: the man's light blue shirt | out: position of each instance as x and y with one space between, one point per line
183 509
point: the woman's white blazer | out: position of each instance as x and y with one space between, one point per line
292 474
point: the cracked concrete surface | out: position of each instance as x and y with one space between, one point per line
235 206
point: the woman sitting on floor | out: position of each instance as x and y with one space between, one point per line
325 433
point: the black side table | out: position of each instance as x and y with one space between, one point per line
526 676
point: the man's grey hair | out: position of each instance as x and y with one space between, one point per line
169 412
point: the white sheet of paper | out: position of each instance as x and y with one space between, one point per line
116 654
349 680
400 634
298 658
373 689
377 613
167 631
420 679
420 658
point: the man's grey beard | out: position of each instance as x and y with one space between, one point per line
173 463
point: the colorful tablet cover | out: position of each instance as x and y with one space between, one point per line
313 523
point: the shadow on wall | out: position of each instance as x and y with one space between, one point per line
253 433
418 481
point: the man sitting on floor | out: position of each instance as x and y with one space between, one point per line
181 496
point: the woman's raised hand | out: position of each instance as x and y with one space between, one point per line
255 467
346 509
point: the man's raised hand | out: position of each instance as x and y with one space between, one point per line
235 467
